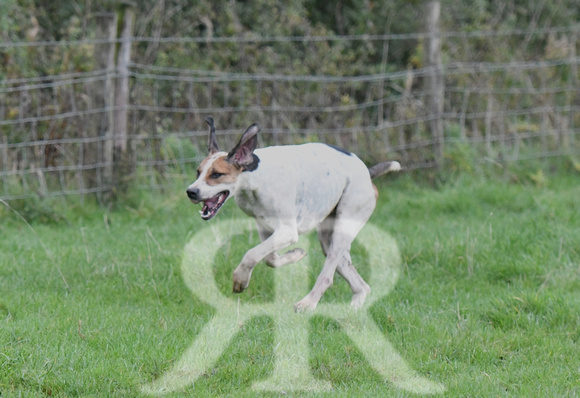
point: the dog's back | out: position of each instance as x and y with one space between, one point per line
304 182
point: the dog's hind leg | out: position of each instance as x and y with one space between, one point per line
351 214
345 230
276 260
358 286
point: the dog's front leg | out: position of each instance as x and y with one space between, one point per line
283 237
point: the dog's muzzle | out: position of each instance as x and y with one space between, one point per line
210 206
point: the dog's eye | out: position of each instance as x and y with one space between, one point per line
197 173
216 175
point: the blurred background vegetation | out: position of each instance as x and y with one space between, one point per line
350 73
71 20
59 20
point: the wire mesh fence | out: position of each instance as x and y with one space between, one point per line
507 96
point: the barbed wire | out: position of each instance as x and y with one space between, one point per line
58 116
251 38
311 131
62 77
186 75
454 68
54 127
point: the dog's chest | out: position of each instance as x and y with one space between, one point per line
260 197
248 200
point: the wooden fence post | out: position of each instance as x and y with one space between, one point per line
123 167
434 81
105 53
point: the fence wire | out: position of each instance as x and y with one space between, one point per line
499 108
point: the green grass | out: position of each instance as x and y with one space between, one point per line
93 303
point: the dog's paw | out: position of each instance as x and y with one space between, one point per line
239 287
358 299
276 260
292 256
305 305
241 281
296 254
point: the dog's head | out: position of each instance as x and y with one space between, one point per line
217 175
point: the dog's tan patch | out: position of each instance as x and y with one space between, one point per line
221 171
205 163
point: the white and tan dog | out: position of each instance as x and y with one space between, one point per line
291 190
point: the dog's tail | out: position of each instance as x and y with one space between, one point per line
383 168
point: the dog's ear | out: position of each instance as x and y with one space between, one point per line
243 153
212 145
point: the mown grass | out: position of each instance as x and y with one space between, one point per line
92 303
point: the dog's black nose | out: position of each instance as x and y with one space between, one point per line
193 193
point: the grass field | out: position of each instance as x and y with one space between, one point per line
487 303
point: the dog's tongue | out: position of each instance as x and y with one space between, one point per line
212 202
211 206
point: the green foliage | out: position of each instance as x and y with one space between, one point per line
62 20
42 211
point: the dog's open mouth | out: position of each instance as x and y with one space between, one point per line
211 206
